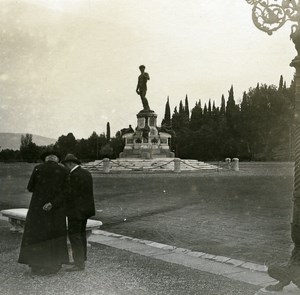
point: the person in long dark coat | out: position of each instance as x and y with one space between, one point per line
80 206
44 243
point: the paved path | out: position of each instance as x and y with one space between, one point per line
119 265
237 270
111 271
117 272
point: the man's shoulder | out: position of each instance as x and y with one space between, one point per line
50 167
59 168
39 166
82 171
62 168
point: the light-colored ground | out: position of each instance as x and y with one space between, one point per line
111 271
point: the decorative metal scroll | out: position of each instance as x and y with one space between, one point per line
270 15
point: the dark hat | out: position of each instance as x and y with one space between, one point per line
71 158
49 153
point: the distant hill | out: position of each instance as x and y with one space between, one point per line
13 140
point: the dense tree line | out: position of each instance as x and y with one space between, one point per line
260 127
97 146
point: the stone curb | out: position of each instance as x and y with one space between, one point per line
221 259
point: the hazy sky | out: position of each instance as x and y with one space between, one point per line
72 66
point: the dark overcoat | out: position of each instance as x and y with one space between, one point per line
80 204
44 242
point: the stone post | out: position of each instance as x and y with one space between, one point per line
228 162
106 167
177 165
235 166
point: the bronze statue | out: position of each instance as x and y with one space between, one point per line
141 87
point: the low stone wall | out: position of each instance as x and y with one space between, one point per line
155 165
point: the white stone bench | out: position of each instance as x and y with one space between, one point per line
17 217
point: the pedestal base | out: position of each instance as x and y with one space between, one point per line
146 141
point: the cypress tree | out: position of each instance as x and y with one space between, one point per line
223 106
280 83
167 117
181 108
183 117
205 110
232 119
214 107
108 131
215 111
196 117
199 103
209 107
230 102
176 120
186 107
244 102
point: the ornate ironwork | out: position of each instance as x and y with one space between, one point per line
270 15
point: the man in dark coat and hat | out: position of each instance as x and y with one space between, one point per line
44 243
80 206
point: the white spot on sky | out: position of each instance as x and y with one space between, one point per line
4 77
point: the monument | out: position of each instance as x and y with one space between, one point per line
147 141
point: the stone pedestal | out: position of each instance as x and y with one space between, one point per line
106 167
147 141
176 165
235 165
